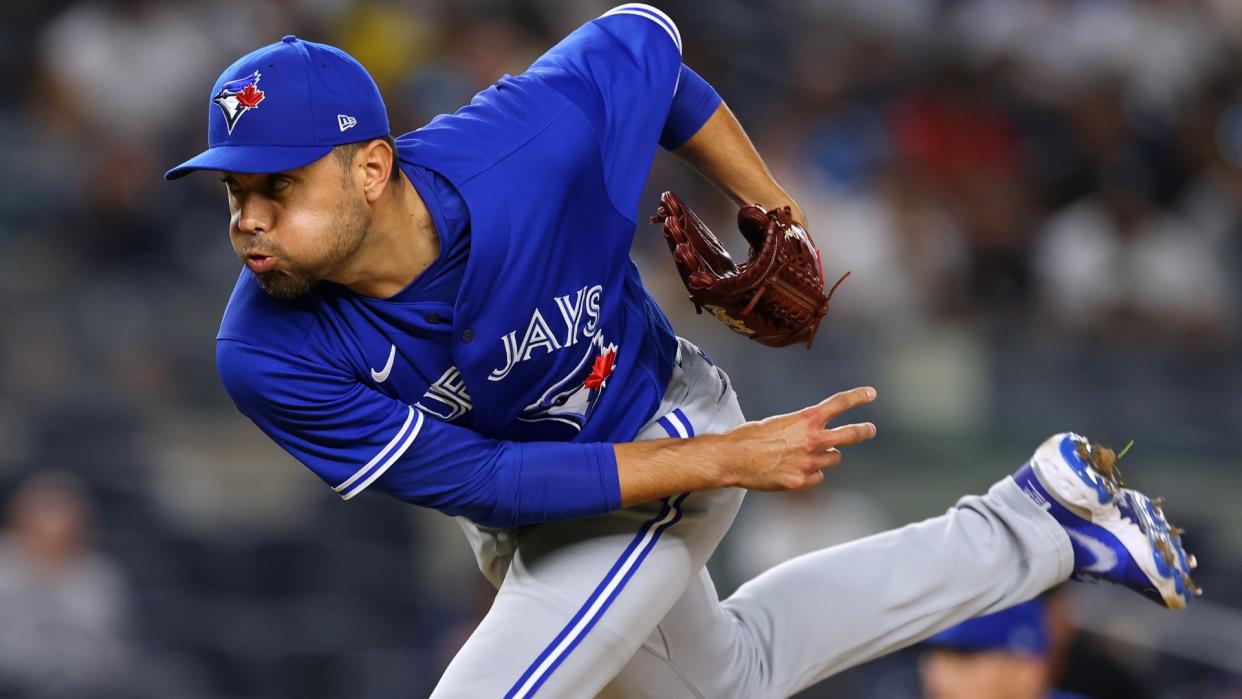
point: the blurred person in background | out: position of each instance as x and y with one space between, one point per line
1113 264
1212 201
101 58
1003 655
1156 48
901 243
1029 651
956 139
64 607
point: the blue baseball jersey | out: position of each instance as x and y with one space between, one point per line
493 386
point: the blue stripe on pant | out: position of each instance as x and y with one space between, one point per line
610 587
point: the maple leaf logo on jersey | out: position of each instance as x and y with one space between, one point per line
602 368
237 97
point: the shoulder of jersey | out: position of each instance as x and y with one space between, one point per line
253 316
498 121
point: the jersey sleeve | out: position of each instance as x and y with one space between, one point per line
624 71
692 106
354 438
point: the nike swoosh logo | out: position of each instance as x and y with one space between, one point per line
1105 556
382 376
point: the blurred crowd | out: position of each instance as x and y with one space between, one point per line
1040 202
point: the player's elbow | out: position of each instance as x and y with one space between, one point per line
488 512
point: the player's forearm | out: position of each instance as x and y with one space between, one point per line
722 152
516 484
785 452
661 468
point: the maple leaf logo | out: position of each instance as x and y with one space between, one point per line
602 369
250 97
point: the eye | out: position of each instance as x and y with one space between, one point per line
231 186
279 183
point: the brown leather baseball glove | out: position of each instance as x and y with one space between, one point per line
775 297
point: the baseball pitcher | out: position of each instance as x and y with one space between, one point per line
452 319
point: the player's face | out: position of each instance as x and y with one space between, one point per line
295 228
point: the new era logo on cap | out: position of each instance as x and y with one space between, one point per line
345 121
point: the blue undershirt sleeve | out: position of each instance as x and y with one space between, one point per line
693 105
356 438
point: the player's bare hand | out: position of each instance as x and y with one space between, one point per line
789 452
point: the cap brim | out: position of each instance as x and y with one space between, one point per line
250 159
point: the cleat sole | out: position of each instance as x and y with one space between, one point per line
1171 574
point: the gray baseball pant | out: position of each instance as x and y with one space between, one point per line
621 606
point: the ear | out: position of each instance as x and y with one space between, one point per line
376 159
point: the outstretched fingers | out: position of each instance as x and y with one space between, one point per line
848 435
840 403
826 440
790 452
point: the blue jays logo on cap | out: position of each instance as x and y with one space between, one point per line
237 97
321 98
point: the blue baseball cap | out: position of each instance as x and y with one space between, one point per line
287 105
1019 630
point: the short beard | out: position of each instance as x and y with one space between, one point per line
354 218
285 285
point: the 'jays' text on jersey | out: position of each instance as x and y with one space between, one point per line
496 400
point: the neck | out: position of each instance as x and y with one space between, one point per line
400 244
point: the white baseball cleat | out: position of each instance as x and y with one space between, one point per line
1119 535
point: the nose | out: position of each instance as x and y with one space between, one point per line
254 215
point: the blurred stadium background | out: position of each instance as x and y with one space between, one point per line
1040 202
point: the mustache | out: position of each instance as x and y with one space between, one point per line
263 248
